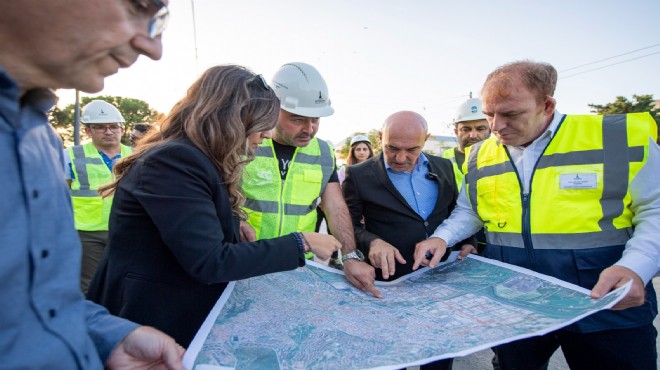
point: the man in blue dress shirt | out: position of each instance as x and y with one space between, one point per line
403 194
45 321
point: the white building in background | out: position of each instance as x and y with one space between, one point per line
436 144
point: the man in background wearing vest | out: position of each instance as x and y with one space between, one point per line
292 170
91 167
470 127
570 196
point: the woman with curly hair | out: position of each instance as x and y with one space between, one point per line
174 226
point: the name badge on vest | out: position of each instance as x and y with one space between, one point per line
578 181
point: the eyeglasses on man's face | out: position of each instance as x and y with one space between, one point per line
115 127
157 12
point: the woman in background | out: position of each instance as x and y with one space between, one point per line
359 152
174 235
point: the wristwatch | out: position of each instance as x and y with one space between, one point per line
355 255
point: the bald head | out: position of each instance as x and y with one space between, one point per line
403 136
405 120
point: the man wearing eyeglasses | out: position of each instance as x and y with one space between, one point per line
45 321
90 168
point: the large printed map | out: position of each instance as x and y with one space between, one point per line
312 318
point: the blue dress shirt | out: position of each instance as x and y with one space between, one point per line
417 189
45 322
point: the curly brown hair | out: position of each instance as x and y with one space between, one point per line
220 110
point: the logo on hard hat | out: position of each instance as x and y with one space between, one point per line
320 100
473 109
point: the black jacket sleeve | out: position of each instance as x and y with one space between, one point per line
182 194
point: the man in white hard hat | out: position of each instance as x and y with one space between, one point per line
470 127
90 168
294 168
45 321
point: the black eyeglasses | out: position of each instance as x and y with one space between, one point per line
103 128
259 81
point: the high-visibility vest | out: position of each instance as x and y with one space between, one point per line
90 211
278 207
458 174
579 192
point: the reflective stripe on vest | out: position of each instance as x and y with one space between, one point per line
594 211
458 174
91 212
277 207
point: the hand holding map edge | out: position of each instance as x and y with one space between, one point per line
614 277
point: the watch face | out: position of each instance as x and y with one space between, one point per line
356 254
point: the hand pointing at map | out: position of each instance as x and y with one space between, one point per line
433 246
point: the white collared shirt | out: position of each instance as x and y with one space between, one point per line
525 158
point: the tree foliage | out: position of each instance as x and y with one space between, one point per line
639 103
133 110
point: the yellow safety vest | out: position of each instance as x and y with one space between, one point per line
458 174
278 207
578 196
90 211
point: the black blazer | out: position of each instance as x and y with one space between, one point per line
174 243
369 192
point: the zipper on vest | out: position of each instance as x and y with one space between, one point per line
281 207
526 231
282 189
526 225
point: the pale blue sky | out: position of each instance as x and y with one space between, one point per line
379 57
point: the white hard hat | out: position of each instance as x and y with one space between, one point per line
359 139
99 111
470 110
302 90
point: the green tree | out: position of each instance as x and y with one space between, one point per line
639 103
375 141
133 110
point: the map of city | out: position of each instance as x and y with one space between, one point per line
312 318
